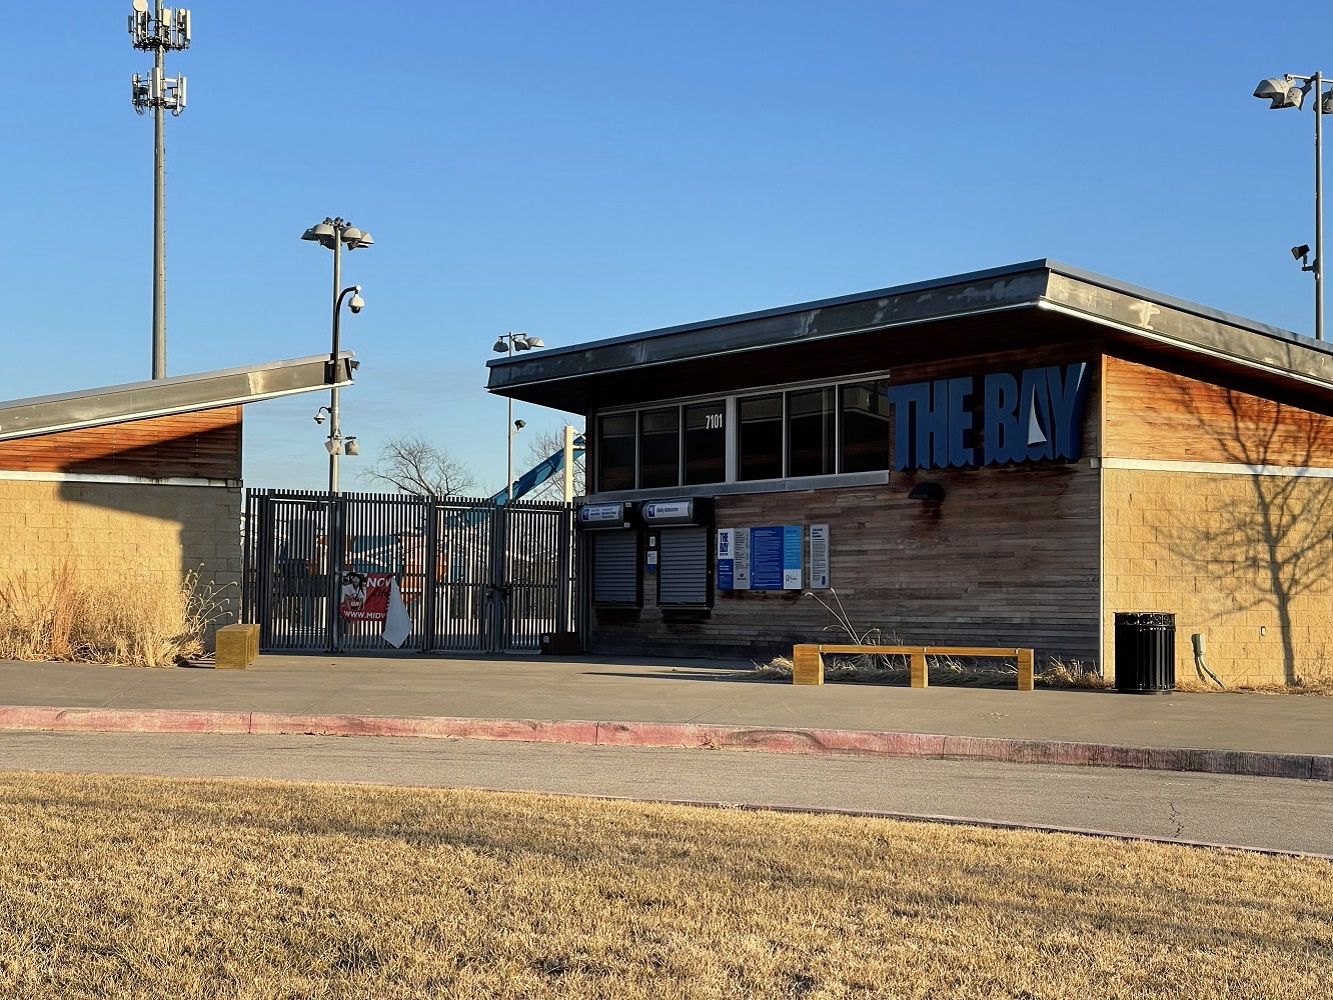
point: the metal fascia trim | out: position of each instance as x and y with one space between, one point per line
1185 306
1161 338
175 380
1007 271
1011 307
101 420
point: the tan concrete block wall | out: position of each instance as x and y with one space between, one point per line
1246 560
140 530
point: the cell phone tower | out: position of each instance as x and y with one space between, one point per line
158 30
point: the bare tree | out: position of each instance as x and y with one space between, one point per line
542 446
413 465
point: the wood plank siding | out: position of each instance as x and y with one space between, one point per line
973 569
1157 415
205 444
1009 557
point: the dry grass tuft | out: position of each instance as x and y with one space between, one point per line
1319 686
76 614
156 888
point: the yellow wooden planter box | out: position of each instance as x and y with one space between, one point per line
235 647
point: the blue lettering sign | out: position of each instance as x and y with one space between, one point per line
905 401
1067 397
1000 419
960 424
1029 417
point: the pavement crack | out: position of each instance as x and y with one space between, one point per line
1174 817
326 695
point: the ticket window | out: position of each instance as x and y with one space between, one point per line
615 568
684 570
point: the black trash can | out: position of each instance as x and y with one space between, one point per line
1145 652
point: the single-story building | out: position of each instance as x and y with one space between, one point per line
1006 458
139 481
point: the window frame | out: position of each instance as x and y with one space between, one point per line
730 404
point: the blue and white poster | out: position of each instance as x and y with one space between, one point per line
791 557
726 558
766 561
776 558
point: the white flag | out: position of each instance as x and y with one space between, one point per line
397 624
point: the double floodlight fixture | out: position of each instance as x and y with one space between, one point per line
1286 92
521 342
342 445
331 232
1282 91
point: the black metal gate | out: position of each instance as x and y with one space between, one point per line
473 575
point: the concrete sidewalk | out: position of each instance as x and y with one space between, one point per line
677 703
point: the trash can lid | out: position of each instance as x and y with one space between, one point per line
1145 618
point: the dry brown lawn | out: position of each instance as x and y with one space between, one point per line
148 888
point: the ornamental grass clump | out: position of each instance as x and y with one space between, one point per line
72 613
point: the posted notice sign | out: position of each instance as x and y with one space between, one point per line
819 557
768 558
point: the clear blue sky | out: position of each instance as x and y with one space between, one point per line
583 170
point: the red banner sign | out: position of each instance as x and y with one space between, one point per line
365 596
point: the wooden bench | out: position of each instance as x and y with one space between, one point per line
235 647
808 660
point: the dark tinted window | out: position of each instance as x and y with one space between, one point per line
865 426
760 440
659 448
705 443
810 437
615 452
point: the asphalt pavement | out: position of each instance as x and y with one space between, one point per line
1260 813
866 742
679 691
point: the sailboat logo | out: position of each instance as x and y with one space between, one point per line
1035 434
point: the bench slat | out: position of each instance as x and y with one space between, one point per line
808 660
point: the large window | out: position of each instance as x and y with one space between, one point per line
615 452
706 443
810 439
759 448
659 448
807 431
864 408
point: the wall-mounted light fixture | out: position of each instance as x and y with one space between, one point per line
926 491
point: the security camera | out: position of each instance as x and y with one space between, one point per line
1301 251
357 304
319 417
520 424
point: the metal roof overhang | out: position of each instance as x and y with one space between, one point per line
1011 308
20 418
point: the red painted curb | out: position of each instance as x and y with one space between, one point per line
116 720
429 727
1318 767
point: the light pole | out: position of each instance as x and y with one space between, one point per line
333 234
1283 92
157 31
509 343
